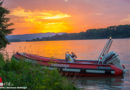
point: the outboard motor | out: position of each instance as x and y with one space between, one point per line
112 58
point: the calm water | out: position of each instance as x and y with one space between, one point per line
85 49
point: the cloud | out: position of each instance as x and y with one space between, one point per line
99 14
41 20
55 16
66 0
127 19
20 12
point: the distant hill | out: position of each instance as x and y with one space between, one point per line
26 37
120 31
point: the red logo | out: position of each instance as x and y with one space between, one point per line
1 83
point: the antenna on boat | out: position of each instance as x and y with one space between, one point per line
105 49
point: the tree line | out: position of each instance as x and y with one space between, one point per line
120 31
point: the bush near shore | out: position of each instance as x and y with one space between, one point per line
32 76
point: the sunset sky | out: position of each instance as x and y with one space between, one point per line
71 16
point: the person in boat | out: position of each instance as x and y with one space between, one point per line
67 56
73 55
70 57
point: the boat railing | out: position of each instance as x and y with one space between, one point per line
105 50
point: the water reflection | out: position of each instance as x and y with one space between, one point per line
98 83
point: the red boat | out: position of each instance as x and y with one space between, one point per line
108 66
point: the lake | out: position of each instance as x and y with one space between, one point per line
86 50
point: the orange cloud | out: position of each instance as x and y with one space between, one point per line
20 12
55 15
127 19
43 21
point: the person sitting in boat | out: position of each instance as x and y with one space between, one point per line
73 55
68 57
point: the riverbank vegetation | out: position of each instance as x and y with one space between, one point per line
34 77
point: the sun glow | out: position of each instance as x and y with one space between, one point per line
43 21
56 26
58 16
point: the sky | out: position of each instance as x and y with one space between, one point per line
70 16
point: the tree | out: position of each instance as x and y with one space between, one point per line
4 24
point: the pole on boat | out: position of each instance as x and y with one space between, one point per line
105 50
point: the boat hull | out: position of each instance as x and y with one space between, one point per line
78 68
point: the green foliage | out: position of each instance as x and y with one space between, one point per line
4 24
35 77
3 40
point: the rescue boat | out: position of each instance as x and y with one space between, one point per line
108 64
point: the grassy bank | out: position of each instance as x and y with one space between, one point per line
32 76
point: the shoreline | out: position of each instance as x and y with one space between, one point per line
71 39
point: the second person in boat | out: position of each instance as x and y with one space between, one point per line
70 57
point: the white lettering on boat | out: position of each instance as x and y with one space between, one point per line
112 72
71 70
95 71
104 67
29 60
59 65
